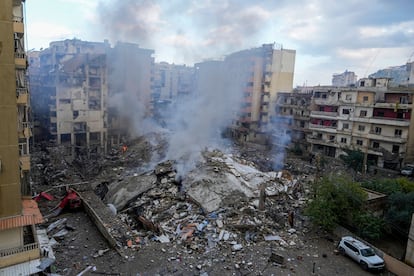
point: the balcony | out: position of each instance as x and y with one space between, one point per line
392 105
18 27
11 256
323 114
22 96
24 162
25 130
20 60
331 129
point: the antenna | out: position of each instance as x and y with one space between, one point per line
372 61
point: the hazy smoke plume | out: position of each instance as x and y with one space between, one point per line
198 121
190 32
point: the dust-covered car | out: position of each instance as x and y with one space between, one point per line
361 253
407 170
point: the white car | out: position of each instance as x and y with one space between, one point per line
407 170
361 253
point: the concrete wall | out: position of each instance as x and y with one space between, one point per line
397 267
409 255
11 238
9 173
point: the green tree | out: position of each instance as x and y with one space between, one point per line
400 210
353 159
385 185
369 226
336 200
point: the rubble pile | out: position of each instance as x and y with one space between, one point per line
215 207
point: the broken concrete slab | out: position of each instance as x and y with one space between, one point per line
120 193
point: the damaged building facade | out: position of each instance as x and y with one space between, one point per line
372 118
76 79
172 81
262 72
21 244
72 75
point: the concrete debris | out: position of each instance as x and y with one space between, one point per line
214 206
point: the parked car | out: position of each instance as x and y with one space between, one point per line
407 170
361 253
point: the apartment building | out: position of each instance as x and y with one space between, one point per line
344 79
130 75
372 118
20 242
72 76
172 81
266 70
92 92
292 115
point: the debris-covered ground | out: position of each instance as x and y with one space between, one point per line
229 215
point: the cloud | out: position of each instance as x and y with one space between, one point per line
42 33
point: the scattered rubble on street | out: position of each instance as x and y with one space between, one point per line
225 216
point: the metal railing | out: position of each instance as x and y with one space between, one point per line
16 250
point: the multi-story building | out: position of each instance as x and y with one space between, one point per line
172 81
372 118
94 93
260 73
344 79
292 113
20 245
130 73
72 76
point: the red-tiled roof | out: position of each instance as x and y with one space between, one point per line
30 215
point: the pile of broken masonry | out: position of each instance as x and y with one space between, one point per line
216 205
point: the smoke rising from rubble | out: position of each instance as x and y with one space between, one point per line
198 121
281 138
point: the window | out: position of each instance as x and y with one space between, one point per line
345 126
64 101
397 132
345 111
395 149
380 114
350 246
377 130
363 113
348 97
365 99
361 128
375 145
331 138
343 140
359 142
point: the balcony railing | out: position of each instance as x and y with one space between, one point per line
324 113
321 126
17 250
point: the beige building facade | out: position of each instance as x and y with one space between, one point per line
372 118
19 243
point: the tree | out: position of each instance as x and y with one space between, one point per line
400 210
337 200
369 226
353 159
